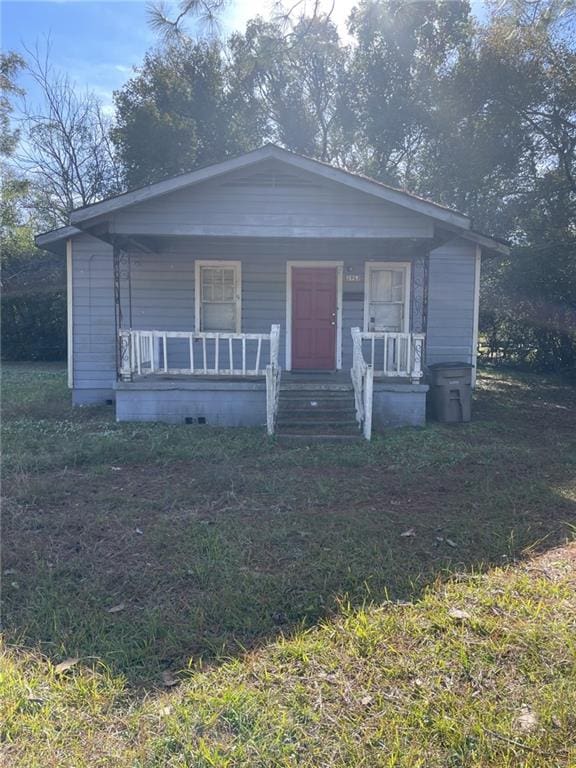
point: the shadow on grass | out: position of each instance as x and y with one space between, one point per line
207 544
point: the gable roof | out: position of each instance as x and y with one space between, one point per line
273 152
450 218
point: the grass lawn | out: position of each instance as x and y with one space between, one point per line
225 601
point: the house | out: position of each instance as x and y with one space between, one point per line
269 289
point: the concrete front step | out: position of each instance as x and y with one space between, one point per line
316 424
317 413
323 397
300 438
310 386
312 405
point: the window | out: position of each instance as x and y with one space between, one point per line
218 288
387 292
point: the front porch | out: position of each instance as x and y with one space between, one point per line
225 379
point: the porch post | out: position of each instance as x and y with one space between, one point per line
417 352
121 268
419 293
419 319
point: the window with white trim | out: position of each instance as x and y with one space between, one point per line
218 291
387 295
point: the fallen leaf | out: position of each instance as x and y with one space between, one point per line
168 679
527 720
457 613
410 532
451 543
65 665
116 608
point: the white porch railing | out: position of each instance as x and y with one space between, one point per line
388 355
150 353
146 353
363 380
393 354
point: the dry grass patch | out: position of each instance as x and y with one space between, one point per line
479 672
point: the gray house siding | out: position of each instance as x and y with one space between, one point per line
271 203
94 353
451 294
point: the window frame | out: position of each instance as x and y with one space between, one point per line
211 263
376 265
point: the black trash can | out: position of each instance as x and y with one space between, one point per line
450 393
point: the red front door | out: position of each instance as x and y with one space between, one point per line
314 309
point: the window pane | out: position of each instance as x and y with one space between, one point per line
207 284
218 283
380 285
228 291
397 291
218 298
386 317
219 317
387 284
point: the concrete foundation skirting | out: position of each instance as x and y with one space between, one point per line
92 396
399 405
243 404
218 404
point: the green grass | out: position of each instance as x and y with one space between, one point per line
275 584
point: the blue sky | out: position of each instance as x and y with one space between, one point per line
98 43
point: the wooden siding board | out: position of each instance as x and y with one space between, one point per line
323 209
450 329
94 357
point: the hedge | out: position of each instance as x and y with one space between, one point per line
34 326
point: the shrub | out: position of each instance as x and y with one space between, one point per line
34 326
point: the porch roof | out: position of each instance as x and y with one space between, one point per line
451 221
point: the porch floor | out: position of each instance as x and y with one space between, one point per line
288 379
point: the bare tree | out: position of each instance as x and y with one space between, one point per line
66 150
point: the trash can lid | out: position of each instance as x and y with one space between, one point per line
448 365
